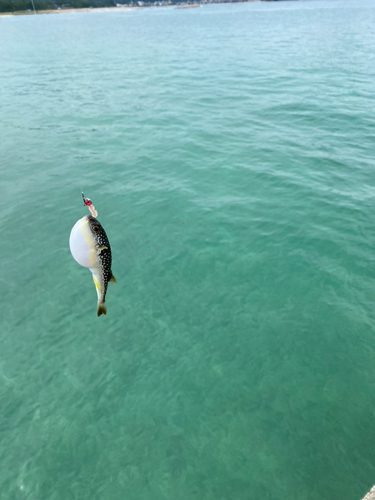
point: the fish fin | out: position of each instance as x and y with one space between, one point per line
97 285
102 308
113 280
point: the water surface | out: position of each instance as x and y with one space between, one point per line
229 151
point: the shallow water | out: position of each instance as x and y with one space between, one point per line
229 151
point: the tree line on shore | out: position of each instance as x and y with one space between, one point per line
25 5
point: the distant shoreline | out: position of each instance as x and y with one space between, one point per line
68 11
122 8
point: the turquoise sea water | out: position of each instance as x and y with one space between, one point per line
230 153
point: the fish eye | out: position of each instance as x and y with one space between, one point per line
95 229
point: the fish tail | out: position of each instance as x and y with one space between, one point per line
102 308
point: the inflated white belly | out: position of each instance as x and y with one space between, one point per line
82 244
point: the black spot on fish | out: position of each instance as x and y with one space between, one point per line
101 240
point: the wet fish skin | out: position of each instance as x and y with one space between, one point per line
90 247
102 273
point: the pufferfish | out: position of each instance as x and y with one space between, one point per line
90 247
